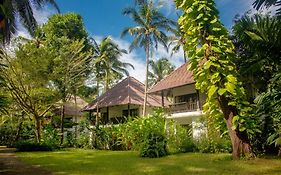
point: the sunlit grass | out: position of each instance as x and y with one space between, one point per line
86 162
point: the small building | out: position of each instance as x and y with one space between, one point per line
123 100
186 101
72 111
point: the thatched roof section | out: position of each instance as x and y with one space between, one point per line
70 108
177 78
128 91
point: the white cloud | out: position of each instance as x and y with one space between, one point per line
41 16
176 59
133 57
168 5
138 61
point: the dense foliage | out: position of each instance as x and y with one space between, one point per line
258 47
211 55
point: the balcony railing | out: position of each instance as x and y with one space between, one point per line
184 107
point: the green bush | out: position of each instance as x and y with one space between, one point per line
7 135
179 137
50 137
83 136
70 140
214 144
154 146
26 146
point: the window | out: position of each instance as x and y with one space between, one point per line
133 113
186 98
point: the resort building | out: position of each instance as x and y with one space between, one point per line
72 109
186 101
123 100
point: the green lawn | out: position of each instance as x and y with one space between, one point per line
77 161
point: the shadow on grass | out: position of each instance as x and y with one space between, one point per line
117 162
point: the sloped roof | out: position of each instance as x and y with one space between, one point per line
70 107
128 91
179 77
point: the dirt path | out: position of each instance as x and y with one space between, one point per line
10 164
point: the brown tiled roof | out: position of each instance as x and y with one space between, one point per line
70 109
178 77
128 91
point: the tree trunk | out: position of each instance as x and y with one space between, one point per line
19 127
38 128
62 124
76 114
106 81
184 57
240 142
146 80
162 99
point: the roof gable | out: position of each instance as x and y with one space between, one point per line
179 77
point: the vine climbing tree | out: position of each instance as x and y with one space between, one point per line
211 55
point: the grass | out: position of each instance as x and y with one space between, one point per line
92 162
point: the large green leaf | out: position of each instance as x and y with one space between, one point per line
212 91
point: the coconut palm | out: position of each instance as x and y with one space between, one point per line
258 4
12 9
177 41
257 43
257 40
148 32
107 62
159 70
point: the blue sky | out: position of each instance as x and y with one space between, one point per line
104 18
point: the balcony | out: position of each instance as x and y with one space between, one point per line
184 107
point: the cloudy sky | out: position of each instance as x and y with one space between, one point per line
104 18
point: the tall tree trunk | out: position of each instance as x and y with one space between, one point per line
146 80
240 142
62 123
19 127
76 114
106 81
38 128
184 57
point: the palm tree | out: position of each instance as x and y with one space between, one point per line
151 24
12 9
107 63
177 41
258 4
257 40
258 44
159 70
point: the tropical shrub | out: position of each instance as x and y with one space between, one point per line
179 137
215 144
215 138
70 139
26 146
7 135
83 138
50 137
154 146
